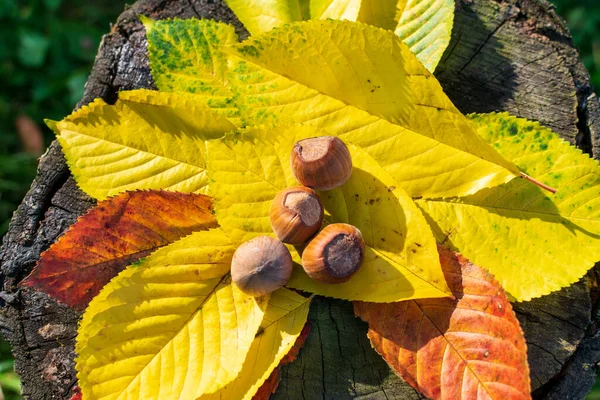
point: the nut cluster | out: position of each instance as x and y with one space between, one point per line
263 264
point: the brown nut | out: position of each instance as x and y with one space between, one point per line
322 163
335 254
296 214
261 266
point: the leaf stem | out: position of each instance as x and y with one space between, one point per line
538 183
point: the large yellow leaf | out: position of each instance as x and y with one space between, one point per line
532 241
426 28
371 91
147 140
263 15
283 322
424 25
401 262
171 327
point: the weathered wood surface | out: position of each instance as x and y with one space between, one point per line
513 55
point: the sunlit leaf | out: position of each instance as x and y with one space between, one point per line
282 325
424 25
371 91
270 385
184 57
172 327
534 242
147 140
115 233
248 169
468 348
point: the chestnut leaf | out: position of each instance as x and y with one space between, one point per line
533 241
171 327
115 233
147 140
371 91
469 347
248 168
424 25
282 325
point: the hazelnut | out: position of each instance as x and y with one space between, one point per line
335 254
296 214
322 163
261 266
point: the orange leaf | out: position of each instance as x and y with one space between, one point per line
471 347
270 385
114 234
76 393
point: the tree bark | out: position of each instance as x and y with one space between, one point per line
505 55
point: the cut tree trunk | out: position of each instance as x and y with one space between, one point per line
505 55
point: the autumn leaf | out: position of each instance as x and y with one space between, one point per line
249 168
470 347
370 91
200 68
172 327
424 25
532 241
76 393
276 343
388 100
147 140
270 385
112 235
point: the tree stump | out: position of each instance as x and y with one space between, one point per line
505 55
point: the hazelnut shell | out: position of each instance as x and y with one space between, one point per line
322 163
296 214
335 254
261 266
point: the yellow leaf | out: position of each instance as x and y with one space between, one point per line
171 327
426 28
283 322
424 25
370 91
338 9
184 58
263 15
247 170
532 241
147 140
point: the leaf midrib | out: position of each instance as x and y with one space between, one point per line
442 201
140 150
183 326
231 53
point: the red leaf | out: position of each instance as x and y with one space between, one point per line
112 235
270 385
471 347
77 395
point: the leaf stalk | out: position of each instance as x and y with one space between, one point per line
538 183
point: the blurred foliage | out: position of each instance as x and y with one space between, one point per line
46 52
10 385
48 47
583 19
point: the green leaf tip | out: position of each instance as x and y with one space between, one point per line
148 22
52 125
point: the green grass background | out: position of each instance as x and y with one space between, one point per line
47 48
